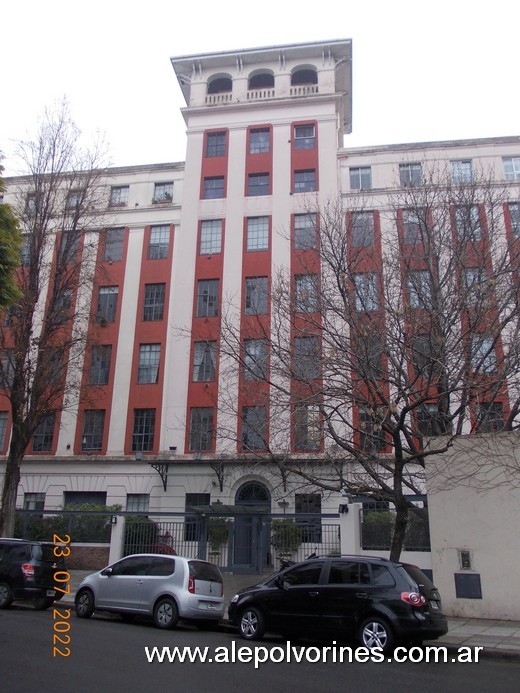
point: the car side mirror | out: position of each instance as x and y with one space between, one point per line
108 571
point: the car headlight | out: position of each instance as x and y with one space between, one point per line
235 599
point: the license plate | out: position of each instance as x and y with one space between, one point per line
209 605
434 606
51 593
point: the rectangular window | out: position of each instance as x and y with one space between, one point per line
255 359
193 523
307 428
410 175
257 233
149 359
75 198
201 429
371 436
253 428
490 417
483 355
119 195
305 232
256 296
514 215
423 356
114 240
467 222
163 192
419 289
210 236
3 428
476 285
143 430
360 178
305 181
258 184
68 248
107 304
306 358
138 502
159 242
259 141
462 171
512 167
369 355
365 286
309 504
213 188
207 298
429 421
153 301
33 501
99 370
25 250
304 136
362 229
215 144
411 226
93 425
306 293
8 365
75 498
204 361
44 433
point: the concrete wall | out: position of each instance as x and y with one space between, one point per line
474 498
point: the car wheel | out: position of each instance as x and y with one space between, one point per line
6 595
375 632
84 604
252 624
43 603
166 613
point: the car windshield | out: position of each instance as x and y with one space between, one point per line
205 571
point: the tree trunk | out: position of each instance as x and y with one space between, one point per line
401 523
9 493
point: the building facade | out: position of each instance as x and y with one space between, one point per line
166 419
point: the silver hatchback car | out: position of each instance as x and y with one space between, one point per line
167 588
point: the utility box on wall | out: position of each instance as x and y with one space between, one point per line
467 586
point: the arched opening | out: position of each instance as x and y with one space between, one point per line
306 75
261 80
252 550
254 493
219 85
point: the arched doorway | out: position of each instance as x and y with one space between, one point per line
251 550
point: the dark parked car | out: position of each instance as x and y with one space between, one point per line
165 588
27 571
371 600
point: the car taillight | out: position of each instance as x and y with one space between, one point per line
413 598
191 585
28 570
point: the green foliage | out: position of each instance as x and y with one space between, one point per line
141 534
378 528
218 532
92 528
286 536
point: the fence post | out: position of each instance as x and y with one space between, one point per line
116 539
350 530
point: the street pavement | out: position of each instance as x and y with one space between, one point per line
498 638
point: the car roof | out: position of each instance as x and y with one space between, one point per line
13 540
165 555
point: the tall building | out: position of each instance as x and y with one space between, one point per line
166 418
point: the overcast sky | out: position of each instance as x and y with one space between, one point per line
421 71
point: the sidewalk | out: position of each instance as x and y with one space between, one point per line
498 638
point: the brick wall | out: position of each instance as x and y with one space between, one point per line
88 556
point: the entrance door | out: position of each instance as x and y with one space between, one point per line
251 546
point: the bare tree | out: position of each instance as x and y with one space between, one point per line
45 331
394 331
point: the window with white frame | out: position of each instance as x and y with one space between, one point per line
259 141
365 286
255 359
256 295
483 355
476 285
207 298
153 308
257 184
210 236
204 361
306 358
215 144
138 502
467 222
159 242
3 428
371 434
307 427
99 369
304 136
411 226
25 250
114 240
107 304
306 293
305 235
512 167
33 501
462 171
253 428
163 192
201 429
257 233
93 425
362 229
143 430
490 417
119 195
410 175
149 359
305 181
213 187
419 289
75 199
514 216
360 177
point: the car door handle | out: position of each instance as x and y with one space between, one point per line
313 594
139 582
362 595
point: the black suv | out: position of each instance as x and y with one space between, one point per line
27 572
371 600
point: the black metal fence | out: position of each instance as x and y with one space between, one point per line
92 527
377 526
